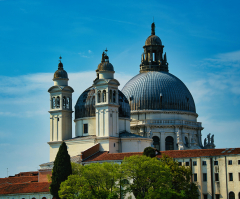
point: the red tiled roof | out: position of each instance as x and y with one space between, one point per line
102 156
14 180
34 187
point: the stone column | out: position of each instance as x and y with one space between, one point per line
162 140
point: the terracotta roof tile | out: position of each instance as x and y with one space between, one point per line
14 180
102 156
34 187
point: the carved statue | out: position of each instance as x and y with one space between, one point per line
178 137
208 137
212 139
150 134
205 141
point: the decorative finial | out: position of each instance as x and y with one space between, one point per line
60 59
106 50
153 28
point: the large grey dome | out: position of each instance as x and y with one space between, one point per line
85 104
158 91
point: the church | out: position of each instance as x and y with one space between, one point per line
154 108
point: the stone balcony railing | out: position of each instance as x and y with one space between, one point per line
166 122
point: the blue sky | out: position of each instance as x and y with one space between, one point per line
201 39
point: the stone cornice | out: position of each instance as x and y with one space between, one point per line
164 111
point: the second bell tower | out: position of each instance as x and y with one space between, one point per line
60 106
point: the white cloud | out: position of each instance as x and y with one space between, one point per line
89 51
27 96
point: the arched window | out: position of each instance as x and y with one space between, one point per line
33 198
169 144
231 195
114 96
44 198
99 97
104 96
186 141
53 103
68 101
110 96
156 142
64 102
58 102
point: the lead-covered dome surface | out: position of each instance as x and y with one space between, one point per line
105 66
153 40
158 91
60 73
85 104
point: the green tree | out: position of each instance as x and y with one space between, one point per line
100 181
149 177
61 169
181 178
149 152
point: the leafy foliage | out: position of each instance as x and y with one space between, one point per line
149 177
181 177
61 169
149 152
98 181
145 177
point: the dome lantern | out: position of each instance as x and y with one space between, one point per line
152 58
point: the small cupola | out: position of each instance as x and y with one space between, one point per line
105 69
60 77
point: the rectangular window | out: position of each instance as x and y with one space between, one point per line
204 163
195 177
229 162
205 196
217 196
187 163
85 127
204 177
215 162
238 162
179 163
230 177
216 177
194 163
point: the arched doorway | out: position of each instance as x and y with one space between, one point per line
231 195
169 143
156 142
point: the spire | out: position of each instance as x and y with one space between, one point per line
60 65
165 57
153 28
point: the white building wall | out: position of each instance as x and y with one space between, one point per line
91 121
27 196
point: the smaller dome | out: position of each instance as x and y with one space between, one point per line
153 40
85 106
105 66
60 73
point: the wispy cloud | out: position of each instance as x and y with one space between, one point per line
86 55
27 96
223 81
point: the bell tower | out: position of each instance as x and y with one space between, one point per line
106 101
60 106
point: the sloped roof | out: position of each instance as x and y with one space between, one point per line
34 187
104 156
